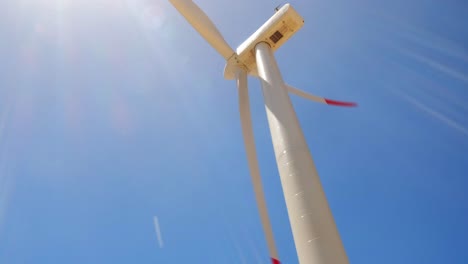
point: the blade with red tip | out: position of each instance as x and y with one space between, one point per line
247 131
318 99
339 103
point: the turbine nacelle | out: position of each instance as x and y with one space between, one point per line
275 31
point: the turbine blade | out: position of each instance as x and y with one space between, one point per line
249 142
203 25
318 99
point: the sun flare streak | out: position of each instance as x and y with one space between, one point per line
438 66
449 122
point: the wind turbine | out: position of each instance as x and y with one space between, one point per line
315 234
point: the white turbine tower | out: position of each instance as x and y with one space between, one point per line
315 234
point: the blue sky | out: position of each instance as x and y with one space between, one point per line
116 111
